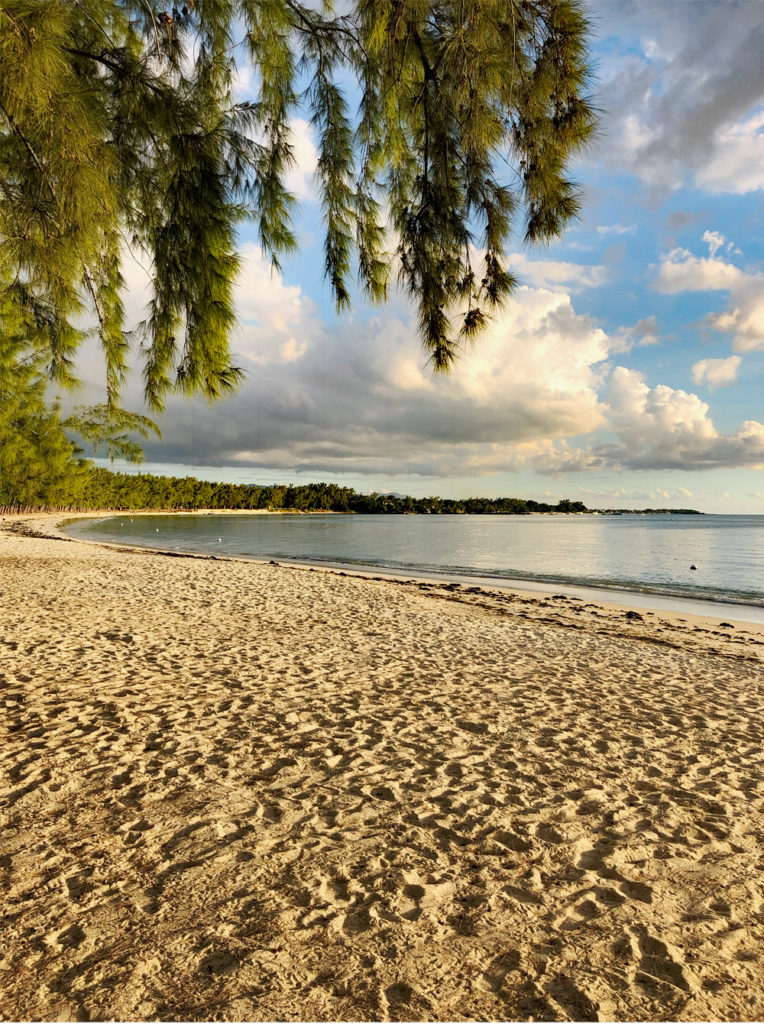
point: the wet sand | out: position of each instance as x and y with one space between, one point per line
232 790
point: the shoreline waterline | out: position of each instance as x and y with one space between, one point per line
627 597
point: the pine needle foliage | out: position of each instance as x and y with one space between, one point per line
119 125
108 430
40 461
37 462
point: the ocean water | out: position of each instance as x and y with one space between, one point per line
638 554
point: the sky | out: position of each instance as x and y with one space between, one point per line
626 371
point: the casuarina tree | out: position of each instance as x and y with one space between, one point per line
441 125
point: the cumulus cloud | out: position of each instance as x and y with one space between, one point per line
656 428
716 372
667 428
680 271
716 240
356 395
683 105
277 321
300 179
744 317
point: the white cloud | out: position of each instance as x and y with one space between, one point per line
357 396
616 229
737 163
744 318
556 274
715 241
292 349
656 428
277 322
643 333
716 372
300 180
680 271
666 428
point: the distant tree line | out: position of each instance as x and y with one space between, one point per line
91 487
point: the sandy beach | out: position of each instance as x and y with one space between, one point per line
233 790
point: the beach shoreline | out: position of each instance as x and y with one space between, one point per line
701 612
240 790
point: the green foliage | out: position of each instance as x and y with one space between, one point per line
39 462
118 125
107 428
100 488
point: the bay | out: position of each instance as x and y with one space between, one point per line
637 553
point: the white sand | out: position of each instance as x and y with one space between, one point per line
242 791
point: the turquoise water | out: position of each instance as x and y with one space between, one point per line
641 554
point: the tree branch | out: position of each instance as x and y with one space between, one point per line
94 56
30 149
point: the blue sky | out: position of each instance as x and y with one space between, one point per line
628 369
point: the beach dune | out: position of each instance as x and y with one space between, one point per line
242 791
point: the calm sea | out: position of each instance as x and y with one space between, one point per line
639 554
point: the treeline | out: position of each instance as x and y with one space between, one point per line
648 512
96 488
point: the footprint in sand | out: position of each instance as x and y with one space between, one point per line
659 963
68 938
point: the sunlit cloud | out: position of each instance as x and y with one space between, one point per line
681 271
716 372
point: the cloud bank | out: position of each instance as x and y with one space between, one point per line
357 396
